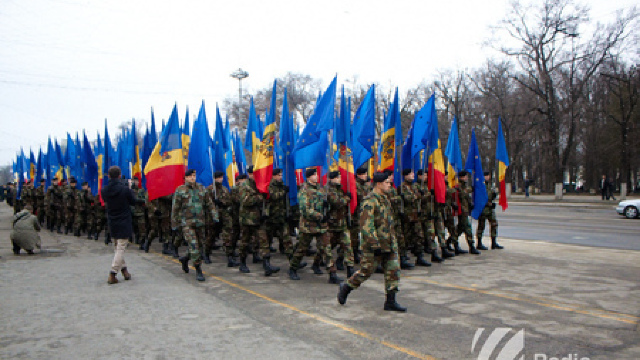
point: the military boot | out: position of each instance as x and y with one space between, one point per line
243 265
316 269
257 259
176 253
344 291
356 256
112 278
340 263
379 269
166 250
435 257
350 272
206 258
199 275
89 235
96 235
185 263
293 274
143 241
107 239
446 254
333 278
495 245
480 246
473 250
392 305
16 249
311 252
231 262
405 264
459 251
268 269
147 245
449 246
421 261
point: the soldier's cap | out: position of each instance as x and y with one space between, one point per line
242 177
406 172
43 180
361 171
486 173
379 177
420 172
462 173
189 172
63 180
277 172
388 172
334 174
310 172
218 175
86 183
250 170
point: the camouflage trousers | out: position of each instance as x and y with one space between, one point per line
248 235
212 232
41 214
163 230
69 217
397 225
343 240
57 216
464 227
438 223
368 264
194 237
414 238
139 226
281 231
80 222
428 229
101 222
354 234
303 244
450 224
493 224
235 238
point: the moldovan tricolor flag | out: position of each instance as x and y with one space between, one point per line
431 141
503 162
263 157
165 168
345 156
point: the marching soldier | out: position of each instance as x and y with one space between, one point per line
450 211
222 229
411 224
190 204
338 234
40 195
69 200
54 193
397 212
161 208
427 217
83 202
489 214
139 213
363 187
235 220
313 223
464 226
378 245
277 221
252 222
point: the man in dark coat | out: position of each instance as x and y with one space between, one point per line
118 199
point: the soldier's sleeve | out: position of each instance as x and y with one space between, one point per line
225 197
211 207
176 209
368 226
250 197
277 193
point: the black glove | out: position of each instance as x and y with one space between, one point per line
377 252
157 213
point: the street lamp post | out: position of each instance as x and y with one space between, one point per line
239 74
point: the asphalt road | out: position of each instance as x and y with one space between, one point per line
562 299
580 224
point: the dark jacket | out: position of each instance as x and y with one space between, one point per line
118 199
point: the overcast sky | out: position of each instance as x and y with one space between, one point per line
67 65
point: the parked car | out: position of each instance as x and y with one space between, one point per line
629 208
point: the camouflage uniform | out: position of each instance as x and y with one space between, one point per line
235 219
40 207
488 214
427 217
83 202
397 207
337 222
412 226
464 225
311 200
449 211
377 228
363 188
69 200
223 228
277 221
161 209
139 214
55 206
251 220
190 204
100 218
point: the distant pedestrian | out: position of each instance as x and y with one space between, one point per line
118 199
604 187
527 183
611 188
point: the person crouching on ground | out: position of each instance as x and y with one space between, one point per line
25 231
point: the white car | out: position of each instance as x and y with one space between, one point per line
629 208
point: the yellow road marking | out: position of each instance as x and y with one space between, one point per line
322 319
605 314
